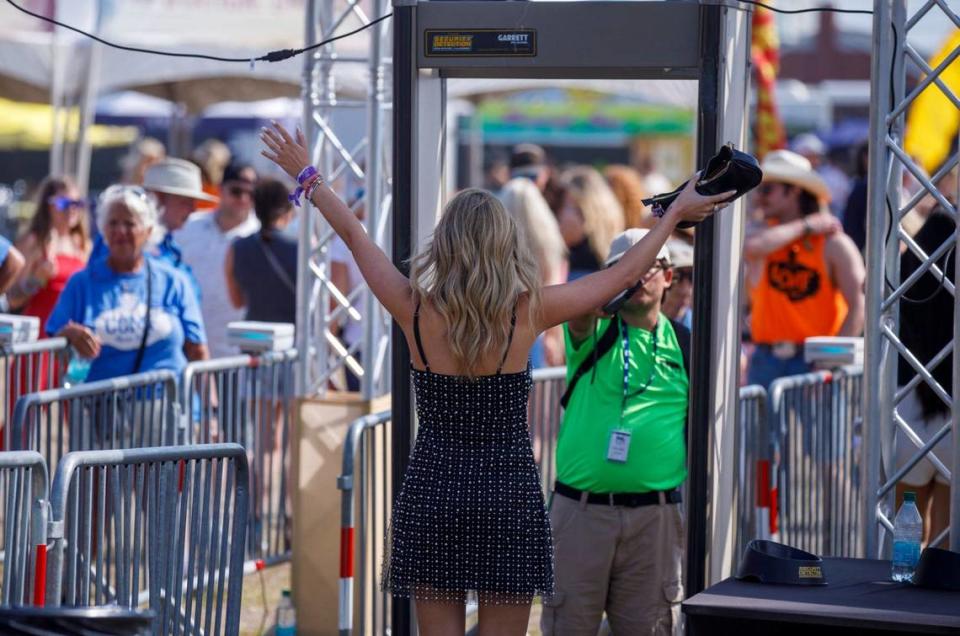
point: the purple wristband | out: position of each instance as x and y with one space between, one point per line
305 174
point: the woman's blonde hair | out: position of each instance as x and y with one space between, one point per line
473 270
602 213
627 185
538 225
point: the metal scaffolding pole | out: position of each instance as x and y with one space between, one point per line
321 307
377 199
887 237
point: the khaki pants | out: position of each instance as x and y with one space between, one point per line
626 562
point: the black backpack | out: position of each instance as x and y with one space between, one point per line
605 344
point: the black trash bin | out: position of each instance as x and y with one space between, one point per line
74 621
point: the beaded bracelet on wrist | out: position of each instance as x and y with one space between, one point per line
307 180
314 187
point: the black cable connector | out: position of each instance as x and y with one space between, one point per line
282 54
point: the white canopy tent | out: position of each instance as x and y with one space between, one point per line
41 62
29 51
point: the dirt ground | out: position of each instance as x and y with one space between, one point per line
257 618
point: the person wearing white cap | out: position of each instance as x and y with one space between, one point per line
806 275
621 460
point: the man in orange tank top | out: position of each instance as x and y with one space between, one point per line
805 275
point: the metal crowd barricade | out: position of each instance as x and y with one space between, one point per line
543 416
817 422
248 400
23 488
162 527
27 368
755 517
125 412
363 522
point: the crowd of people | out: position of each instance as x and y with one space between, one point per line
182 247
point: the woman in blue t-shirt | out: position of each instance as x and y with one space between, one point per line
102 311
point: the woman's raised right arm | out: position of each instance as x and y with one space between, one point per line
562 303
386 282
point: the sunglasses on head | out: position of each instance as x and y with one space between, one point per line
118 189
65 203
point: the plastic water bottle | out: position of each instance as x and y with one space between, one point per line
907 533
77 369
286 616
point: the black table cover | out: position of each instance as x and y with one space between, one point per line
859 595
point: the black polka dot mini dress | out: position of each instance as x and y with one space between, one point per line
470 516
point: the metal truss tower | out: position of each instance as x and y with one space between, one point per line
362 167
894 56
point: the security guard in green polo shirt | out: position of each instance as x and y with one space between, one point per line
621 458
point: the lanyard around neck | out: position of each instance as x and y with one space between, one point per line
626 363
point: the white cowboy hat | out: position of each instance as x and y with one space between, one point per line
783 166
176 176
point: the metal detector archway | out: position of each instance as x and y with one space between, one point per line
706 41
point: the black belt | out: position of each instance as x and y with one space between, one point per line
626 499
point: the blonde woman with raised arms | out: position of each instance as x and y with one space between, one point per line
470 517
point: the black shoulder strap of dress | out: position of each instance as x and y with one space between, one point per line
604 344
416 336
506 352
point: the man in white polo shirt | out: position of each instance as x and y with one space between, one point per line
204 241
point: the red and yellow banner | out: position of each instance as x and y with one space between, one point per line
769 133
